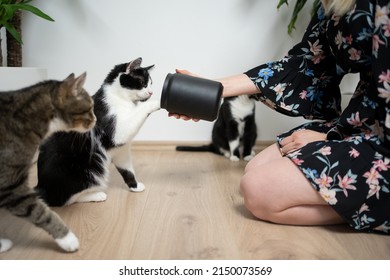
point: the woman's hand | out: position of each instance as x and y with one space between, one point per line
186 72
300 138
182 117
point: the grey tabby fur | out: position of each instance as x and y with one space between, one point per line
27 117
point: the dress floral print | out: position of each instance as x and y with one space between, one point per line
351 169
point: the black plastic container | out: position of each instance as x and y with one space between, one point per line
191 96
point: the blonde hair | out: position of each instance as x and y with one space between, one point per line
339 7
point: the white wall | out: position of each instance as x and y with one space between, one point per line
211 38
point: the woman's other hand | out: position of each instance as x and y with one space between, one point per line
300 138
182 117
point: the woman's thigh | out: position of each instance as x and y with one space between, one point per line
280 181
265 156
275 189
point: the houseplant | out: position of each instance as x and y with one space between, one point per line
10 20
297 9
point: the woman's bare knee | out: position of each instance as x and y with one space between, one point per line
267 155
254 201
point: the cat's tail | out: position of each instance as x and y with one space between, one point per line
204 148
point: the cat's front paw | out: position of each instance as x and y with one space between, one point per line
234 158
5 245
140 188
154 105
69 242
226 154
249 157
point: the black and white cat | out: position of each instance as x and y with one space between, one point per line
234 132
73 167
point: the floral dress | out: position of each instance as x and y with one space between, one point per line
351 169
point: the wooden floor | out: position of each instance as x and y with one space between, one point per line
191 209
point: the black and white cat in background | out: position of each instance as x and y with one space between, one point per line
234 132
73 167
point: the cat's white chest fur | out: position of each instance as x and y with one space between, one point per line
55 125
123 110
241 107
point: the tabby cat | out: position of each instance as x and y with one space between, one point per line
27 117
234 132
73 167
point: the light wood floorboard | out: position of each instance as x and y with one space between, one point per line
191 209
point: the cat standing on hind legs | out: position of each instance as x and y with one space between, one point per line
74 168
27 117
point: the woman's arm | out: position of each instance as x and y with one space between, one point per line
232 86
235 85
306 81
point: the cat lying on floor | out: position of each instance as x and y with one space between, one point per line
73 167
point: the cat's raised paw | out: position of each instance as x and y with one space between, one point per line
154 105
69 242
5 245
140 188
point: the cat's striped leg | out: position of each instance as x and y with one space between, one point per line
24 202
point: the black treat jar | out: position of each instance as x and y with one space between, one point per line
191 96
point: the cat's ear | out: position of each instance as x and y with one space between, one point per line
70 78
149 67
79 83
75 84
134 64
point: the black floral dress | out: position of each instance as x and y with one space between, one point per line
351 169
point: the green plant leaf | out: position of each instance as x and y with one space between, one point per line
33 10
297 8
316 5
9 11
8 8
282 2
13 32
